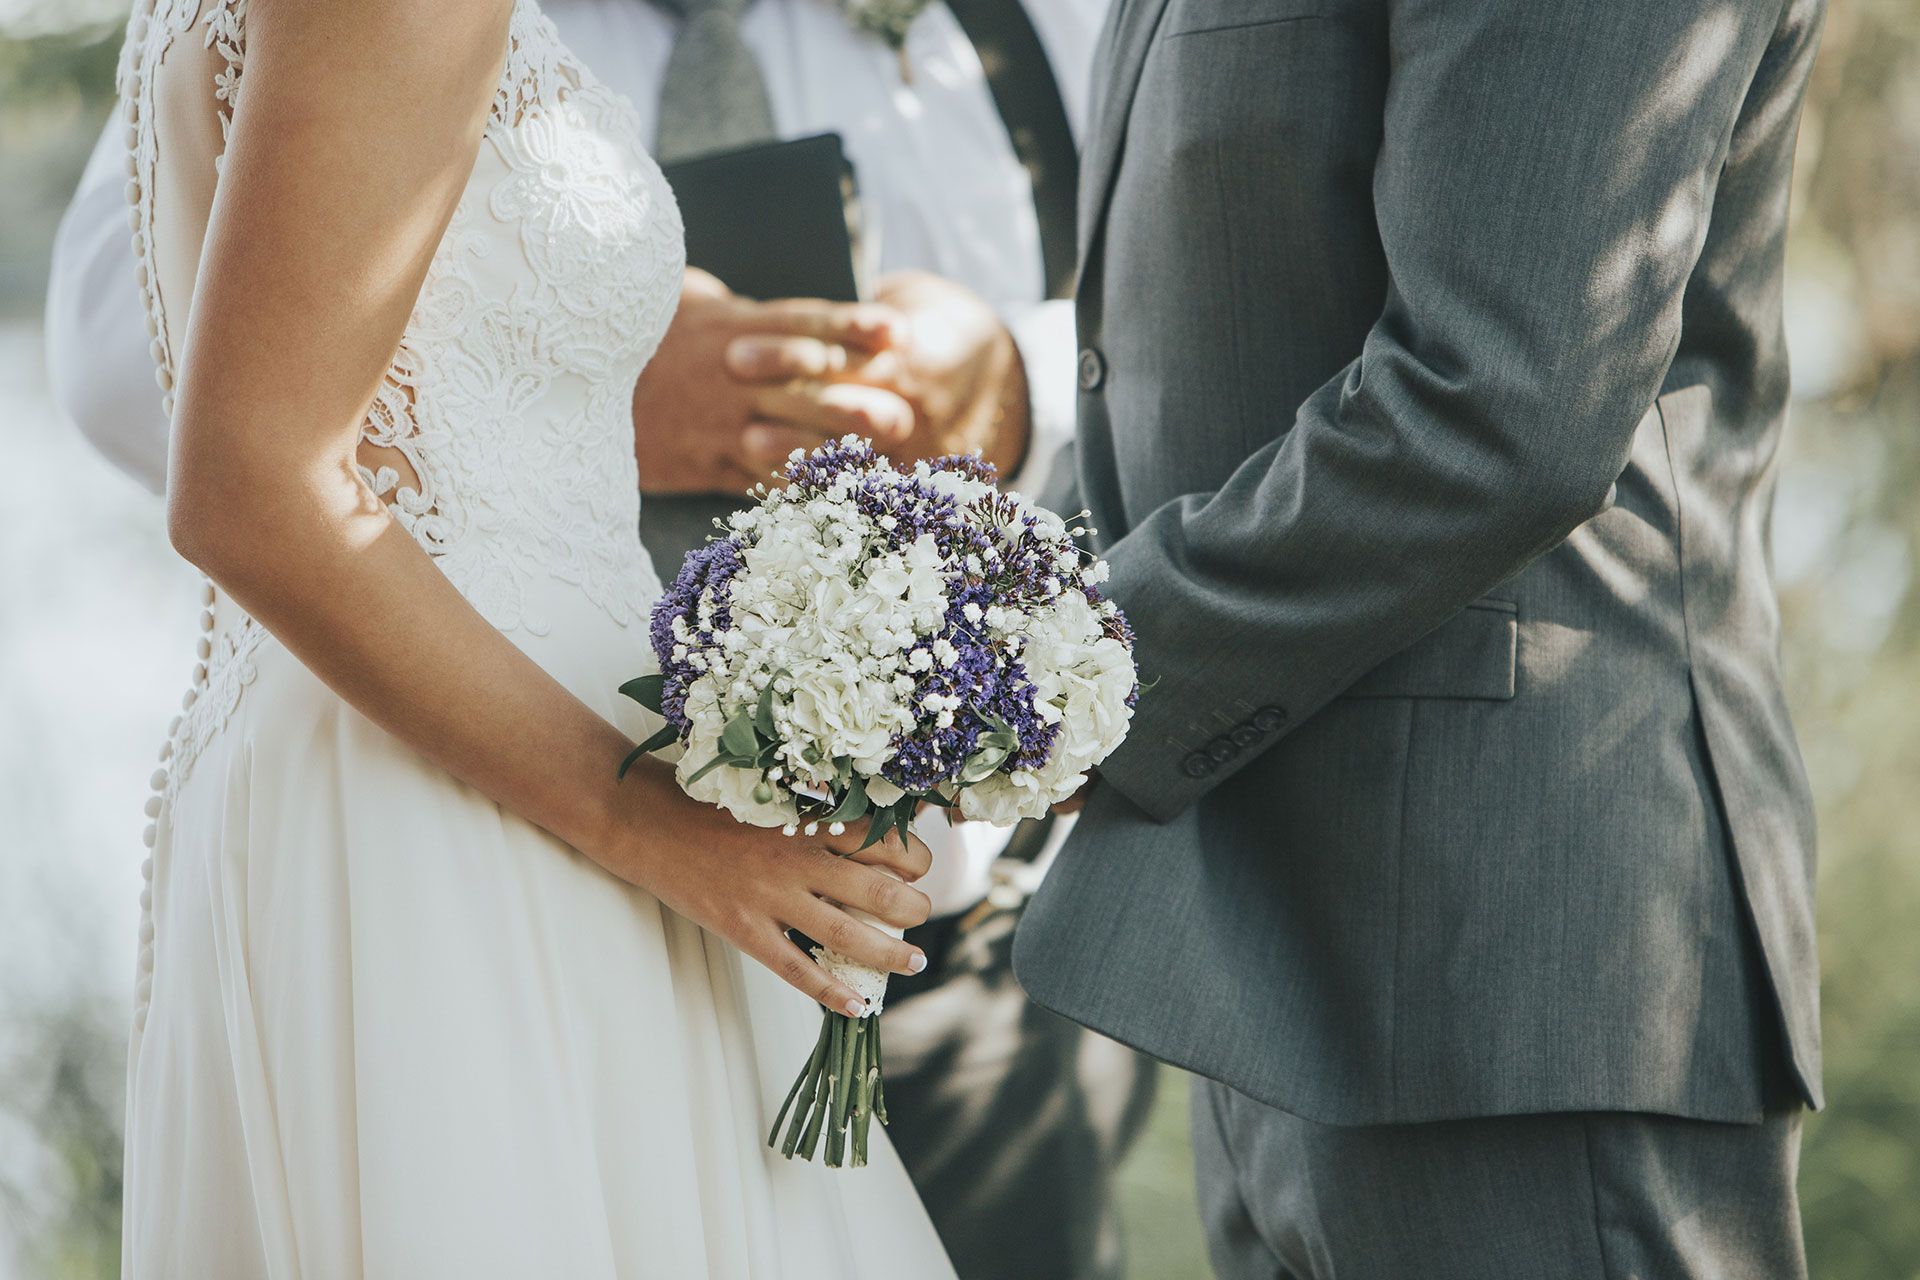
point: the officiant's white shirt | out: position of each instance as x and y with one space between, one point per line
940 187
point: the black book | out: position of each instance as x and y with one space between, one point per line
773 220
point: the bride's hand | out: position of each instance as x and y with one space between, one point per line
751 884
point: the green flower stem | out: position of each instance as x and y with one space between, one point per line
840 1092
843 1091
863 1099
809 1106
823 1096
806 1078
800 1116
879 1077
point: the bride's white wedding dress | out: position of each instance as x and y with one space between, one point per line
382 1026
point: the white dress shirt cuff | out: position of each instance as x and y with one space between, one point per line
1044 334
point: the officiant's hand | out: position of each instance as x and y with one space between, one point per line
952 361
689 414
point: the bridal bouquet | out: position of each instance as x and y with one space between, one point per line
867 640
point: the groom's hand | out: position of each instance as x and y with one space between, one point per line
690 415
950 360
1078 800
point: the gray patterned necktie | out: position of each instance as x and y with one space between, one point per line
713 96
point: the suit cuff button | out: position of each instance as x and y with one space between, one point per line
1267 719
1222 750
1197 765
1244 735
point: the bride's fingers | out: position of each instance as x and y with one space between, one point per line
909 859
798 970
831 927
873 891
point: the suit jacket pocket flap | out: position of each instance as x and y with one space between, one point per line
1471 655
1189 17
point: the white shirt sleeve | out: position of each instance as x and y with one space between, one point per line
1044 332
97 342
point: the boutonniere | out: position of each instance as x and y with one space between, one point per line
886 19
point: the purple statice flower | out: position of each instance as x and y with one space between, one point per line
932 754
819 469
970 465
706 569
1013 705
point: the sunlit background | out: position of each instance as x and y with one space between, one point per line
96 624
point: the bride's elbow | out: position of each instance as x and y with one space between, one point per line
210 518
250 517
193 527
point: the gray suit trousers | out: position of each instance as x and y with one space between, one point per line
1567 1196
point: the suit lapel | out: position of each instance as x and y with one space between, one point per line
1121 55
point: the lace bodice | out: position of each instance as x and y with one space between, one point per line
502 437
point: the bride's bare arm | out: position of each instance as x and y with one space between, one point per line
349 150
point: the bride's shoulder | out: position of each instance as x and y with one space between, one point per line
329 49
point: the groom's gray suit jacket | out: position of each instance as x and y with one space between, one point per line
1433 381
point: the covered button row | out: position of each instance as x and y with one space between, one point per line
1204 762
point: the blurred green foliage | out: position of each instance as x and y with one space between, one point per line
1849 539
1853 619
54 92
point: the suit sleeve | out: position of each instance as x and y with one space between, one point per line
1543 189
97 357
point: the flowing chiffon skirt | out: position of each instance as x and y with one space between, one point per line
395 1031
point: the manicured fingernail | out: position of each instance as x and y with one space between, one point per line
855 1007
759 441
916 962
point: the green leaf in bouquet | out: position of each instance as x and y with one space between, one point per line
633 758
979 766
878 826
992 752
853 805
647 691
739 738
763 714
666 737
709 767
